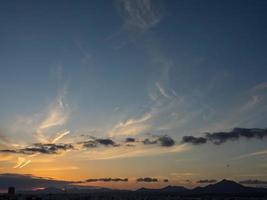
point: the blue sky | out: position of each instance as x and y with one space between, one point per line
117 69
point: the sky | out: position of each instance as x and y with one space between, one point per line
133 93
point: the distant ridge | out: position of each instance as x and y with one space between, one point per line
222 187
71 190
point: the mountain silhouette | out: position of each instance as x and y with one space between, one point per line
168 189
224 186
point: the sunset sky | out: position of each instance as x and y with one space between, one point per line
157 92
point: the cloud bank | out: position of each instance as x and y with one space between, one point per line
164 141
147 180
207 181
253 182
40 148
219 138
107 180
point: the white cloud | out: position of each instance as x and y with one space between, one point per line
57 116
25 164
21 162
260 86
258 153
139 15
129 152
181 174
58 136
162 90
132 126
68 168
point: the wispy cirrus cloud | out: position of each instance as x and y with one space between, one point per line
132 126
57 115
162 90
139 15
59 136
181 174
22 162
122 152
67 168
43 126
260 86
257 153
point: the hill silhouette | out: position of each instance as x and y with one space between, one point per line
222 187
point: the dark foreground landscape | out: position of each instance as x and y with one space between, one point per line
224 189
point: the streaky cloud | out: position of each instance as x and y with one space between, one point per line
207 181
60 136
253 182
194 140
107 180
139 15
40 148
147 180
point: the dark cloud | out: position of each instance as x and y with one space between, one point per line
207 181
194 140
106 142
253 182
147 180
8 151
107 180
164 141
28 182
222 137
127 140
166 180
149 141
40 148
89 144
94 142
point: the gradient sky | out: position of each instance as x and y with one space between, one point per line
79 71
